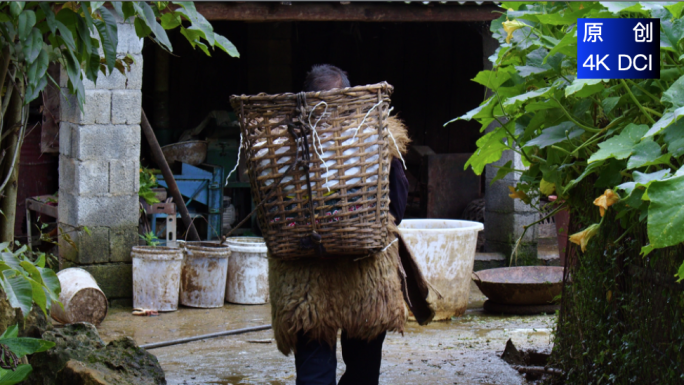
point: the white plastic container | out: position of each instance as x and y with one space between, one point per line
247 271
203 278
81 297
156 277
445 251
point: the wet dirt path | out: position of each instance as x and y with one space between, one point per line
465 350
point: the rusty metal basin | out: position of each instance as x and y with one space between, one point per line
522 285
192 152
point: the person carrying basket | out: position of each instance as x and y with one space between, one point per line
313 298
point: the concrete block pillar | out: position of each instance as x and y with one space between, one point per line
504 216
99 173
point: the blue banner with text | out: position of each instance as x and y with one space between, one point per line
618 48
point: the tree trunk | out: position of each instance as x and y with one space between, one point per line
13 121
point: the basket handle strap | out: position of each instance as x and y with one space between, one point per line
304 131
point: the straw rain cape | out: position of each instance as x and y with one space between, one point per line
321 296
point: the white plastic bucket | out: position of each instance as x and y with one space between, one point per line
247 271
156 277
203 279
445 251
81 297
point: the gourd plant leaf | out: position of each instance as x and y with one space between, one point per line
676 9
665 121
590 169
680 272
503 171
622 145
671 34
646 153
618 7
666 212
675 94
582 88
555 134
635 190
490 147
492 79
674 137
516 101
567 46
609 104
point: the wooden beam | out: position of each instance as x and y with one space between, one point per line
334 11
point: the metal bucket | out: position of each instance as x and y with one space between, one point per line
445 252
247 271
203 278
81 297
521 285
156 277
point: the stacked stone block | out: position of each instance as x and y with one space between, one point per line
505 216
99 172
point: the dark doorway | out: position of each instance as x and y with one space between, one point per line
429 64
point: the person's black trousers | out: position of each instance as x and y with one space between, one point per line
316 362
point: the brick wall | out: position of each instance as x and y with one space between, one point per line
98 172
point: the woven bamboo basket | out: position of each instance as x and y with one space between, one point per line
345 132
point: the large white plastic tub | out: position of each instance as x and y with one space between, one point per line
445 251
247 271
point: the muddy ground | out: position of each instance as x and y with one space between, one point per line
465 350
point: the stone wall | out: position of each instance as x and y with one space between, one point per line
98 172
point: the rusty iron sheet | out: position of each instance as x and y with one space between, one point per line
449 188
522 285
160 208
192 152
367 12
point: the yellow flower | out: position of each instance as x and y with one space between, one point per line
583 237
606 200
547 188
510 26
519 194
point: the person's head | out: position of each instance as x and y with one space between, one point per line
323 77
